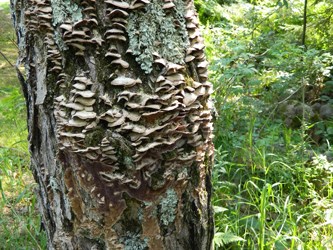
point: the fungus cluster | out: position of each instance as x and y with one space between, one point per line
116 20
80 34
136 131
38 18
195 53
75 114
130 125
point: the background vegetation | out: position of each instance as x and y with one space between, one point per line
273 95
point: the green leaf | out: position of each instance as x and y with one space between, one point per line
222 239
218 209
330 130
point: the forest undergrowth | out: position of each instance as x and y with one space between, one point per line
273 94
273 171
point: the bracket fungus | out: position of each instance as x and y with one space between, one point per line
131 111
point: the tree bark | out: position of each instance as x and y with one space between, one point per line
119 122
304 23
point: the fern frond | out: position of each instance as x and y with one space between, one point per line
222 239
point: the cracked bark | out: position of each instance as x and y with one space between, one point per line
119 122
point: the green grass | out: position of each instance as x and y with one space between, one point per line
20 226
274 205
273 185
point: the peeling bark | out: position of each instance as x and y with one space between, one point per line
119 122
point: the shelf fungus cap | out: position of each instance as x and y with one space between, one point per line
175 78
68 134
126 95
114 112
191 25
189 14
119 20
119 4
89 8
201 91
138 4
112 55
148 146
160 79
85 93
133 116
115 25
80 23
173 68
144 162
77 123
161 61
113 31
75 106
189 58
116 37
202 64
194 33
168 5
199 46
125 81
85 101
117 13
118 122
85 115
66 26
121 62
79 86
83 79
60 98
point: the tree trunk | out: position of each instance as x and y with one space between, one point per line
304 23
119 122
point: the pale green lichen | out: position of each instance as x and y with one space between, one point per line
168 207
154 30
133 241
63 10
140 214
59 41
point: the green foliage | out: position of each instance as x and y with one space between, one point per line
20 226
223 239
209 10
272 177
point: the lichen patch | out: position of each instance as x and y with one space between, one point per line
158 30
134 242
168 207
64 9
